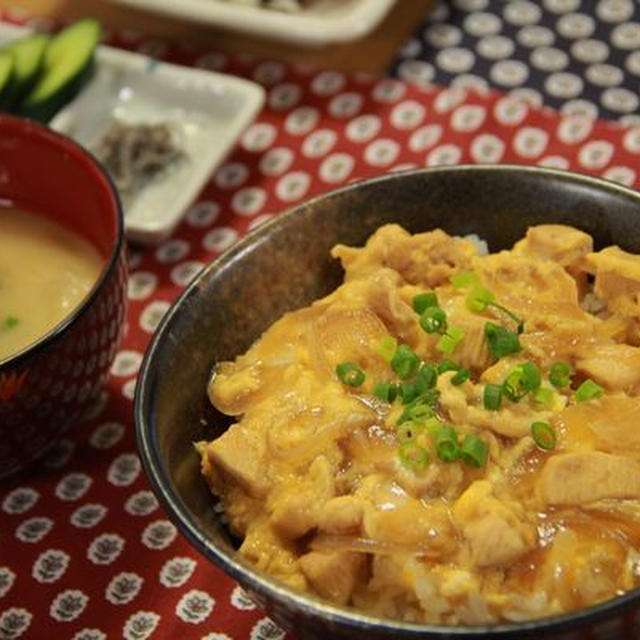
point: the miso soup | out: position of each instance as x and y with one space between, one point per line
45 273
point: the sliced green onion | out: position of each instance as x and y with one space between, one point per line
588 390
423 301
531 375
479 299
426 378
433 320
408 392
464 279
413 456
350 374
456 333
446 443
545 397
9 323
513 386
560 374
420 411
385 391
447 365
421 408
387 347
450 340
543 435
446 345
405 362
474 451
519 322
492 397
409 431
461 376
522 379
501 341
433 425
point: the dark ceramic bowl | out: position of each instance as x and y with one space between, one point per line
47 387
286 264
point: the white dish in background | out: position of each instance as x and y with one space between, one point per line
209 109
318 23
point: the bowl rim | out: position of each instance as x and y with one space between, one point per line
72 148
261 583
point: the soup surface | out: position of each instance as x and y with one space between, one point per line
448 437
45 272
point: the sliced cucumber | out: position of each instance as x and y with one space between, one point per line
6 79
67 63
28 56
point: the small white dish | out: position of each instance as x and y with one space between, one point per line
210 110
318 23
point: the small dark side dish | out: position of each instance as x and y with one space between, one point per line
285 265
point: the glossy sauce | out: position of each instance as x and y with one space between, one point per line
45 272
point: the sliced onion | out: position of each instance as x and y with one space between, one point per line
328 542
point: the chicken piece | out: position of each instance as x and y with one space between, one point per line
565 245
383 298
612 425
577 478
614 366
495 529
424 258
270 553
379 293
341 515
550 338
533 288
297 508
241 454
618 284
333 575
617 273
463 405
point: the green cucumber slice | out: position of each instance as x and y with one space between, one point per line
6 79
28 56
67 63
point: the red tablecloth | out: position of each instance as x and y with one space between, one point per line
85 550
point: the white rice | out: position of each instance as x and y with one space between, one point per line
481 245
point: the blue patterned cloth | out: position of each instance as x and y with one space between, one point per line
580 56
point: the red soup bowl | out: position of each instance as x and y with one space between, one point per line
49 386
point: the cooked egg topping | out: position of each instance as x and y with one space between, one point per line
448 437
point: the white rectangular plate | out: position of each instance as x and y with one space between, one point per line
319 23
210 110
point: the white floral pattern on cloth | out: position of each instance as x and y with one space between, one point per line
68 605
50 565
14 622
88 515
87 552
561 51
123 588
20 500
176 572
